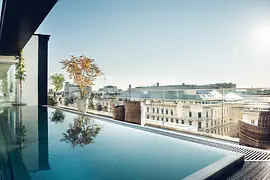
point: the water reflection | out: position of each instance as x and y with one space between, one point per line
57 116
20 130
82 132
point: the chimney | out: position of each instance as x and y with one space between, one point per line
129 86
157 84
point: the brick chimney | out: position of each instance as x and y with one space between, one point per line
157 84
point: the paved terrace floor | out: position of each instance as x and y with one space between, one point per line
257 162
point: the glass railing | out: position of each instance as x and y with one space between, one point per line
216 113
8 84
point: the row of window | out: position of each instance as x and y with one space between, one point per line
171 112
216 122
161 110
172 120
198 115
219 131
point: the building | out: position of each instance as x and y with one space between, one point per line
207 112
18 22
27 19
189 86
109 89
108 92
72 90
172 91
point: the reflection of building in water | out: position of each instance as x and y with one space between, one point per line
255 126
25 129
203 111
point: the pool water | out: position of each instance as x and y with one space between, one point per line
42 143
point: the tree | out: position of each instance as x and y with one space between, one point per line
57 80
20 72
83 71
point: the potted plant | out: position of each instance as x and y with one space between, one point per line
83 71
20 74
57 80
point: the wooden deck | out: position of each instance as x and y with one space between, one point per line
253 170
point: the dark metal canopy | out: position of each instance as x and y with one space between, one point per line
19 21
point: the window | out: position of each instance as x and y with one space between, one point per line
8 83
172 120
147 109
171 112
190 123
215 123
207 114
207 124
167 119
252 121
212 123
199 124
161 111
166 111
153 117
158 118
147 117
183 121
153 110
190 114
199 114
157 110
177 121
161 119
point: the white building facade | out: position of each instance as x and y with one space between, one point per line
73 91
210 116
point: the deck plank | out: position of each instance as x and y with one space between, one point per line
253 170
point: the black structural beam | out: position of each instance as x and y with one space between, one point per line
19 21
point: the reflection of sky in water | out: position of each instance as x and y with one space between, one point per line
118 152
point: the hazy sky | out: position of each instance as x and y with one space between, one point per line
141 42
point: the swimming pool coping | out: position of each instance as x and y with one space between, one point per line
219 169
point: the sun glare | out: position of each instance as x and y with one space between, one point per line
261 38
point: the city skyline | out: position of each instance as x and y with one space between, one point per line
144 42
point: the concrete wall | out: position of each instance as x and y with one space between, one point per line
30 85
35 86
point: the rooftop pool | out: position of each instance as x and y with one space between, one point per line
41 143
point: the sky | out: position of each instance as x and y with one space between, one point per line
141 42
